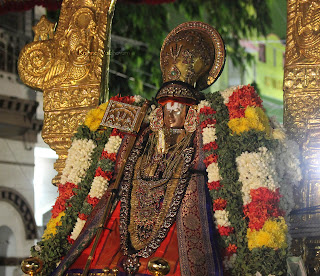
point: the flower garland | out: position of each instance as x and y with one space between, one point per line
221 215
100 183
247 157
86 176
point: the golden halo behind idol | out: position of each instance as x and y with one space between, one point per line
192 58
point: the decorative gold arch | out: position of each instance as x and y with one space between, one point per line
67 65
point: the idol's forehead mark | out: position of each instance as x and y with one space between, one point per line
174 106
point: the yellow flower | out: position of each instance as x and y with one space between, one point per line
272 234
94 117
255 118
51 229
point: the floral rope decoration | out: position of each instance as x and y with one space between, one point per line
89 166
100 183
249 155
210 147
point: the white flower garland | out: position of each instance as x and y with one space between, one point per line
98 187
77 228
78 161
99 184
203 104
257 169
288 165
138 99
113 144
288 168
213 172
208 134
221 217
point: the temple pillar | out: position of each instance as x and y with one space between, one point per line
302 121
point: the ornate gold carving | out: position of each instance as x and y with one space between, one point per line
67 67
122 116
302 117
43 30
193 52
61 98
303 37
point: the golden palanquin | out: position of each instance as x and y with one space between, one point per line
68 66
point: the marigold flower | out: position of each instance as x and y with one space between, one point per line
272 234
253 118
264 205
125 99
66 190
214 185
58 207
207 110
51 226
110 156
207 122
212 158
105 174
212 145
219 204
231 249
83 216
117 132
92 200
225 230
240 99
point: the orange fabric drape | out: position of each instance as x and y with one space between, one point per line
108 253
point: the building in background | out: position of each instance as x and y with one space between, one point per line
20 124
265 72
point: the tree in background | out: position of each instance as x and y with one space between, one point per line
134 64
140 26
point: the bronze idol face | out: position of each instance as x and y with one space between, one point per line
174 114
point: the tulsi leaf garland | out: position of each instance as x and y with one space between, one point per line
89 168
244 156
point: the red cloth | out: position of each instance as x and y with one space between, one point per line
108 252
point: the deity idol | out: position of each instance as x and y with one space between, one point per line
201 188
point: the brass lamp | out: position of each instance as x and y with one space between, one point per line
158 266
31 266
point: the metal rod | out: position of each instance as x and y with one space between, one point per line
104 87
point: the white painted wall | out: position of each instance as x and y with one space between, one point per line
45 193
15 176
12 239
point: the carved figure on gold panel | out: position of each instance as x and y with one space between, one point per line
66 66
306 34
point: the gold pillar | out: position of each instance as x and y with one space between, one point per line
66 66
302 118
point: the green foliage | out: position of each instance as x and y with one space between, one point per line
138 65
134 67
